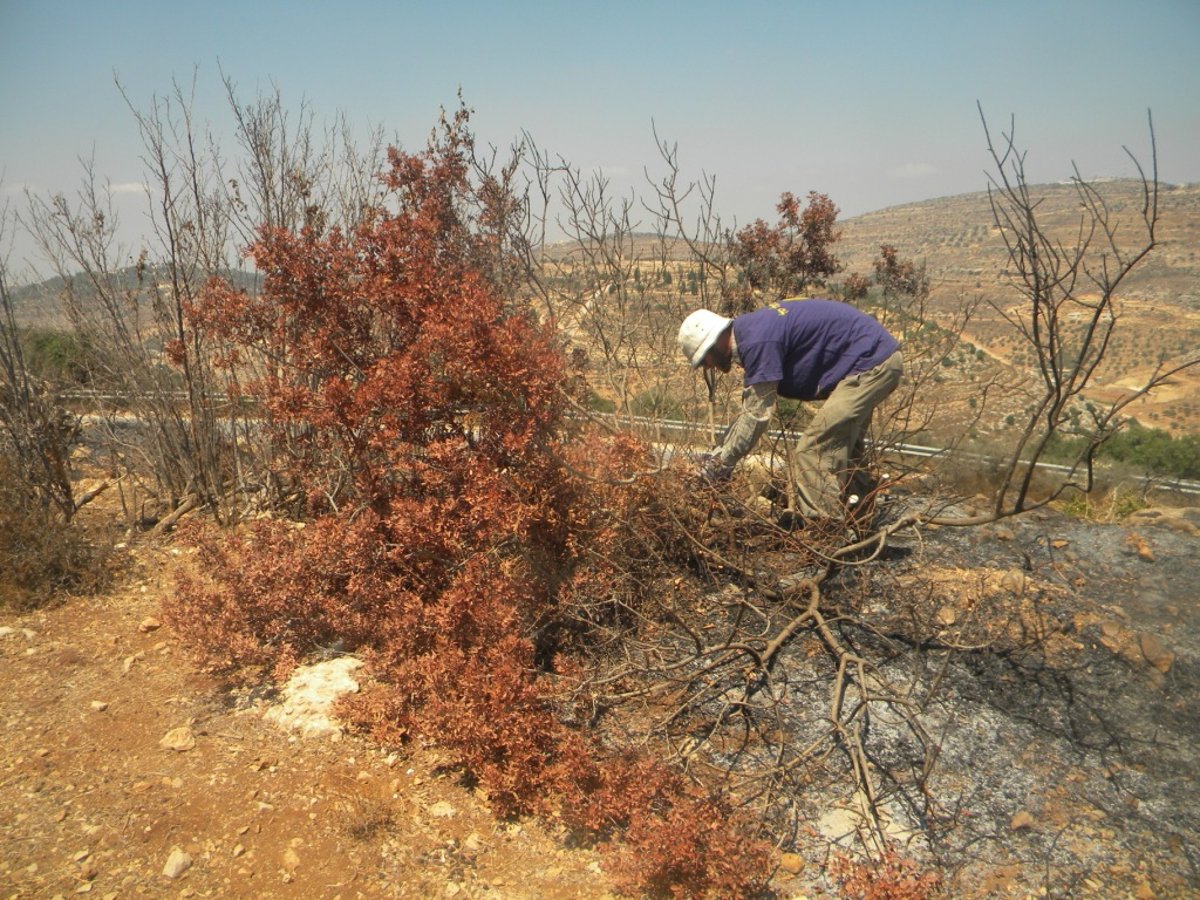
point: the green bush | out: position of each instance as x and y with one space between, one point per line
601 404
1149 451
1111 506
56 356
1155 451
656 404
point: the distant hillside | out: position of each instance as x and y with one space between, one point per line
41 304
961 247
965 257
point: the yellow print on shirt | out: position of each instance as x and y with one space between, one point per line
778 307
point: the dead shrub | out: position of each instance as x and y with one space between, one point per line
271 593
892 877
40 554
458 536
676 841
363 819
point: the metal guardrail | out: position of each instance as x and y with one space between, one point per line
1173 485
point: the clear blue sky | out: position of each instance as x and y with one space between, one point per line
869 101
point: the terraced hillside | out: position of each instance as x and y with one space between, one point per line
965 257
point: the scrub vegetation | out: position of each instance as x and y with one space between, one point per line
390 444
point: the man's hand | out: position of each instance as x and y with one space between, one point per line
711 471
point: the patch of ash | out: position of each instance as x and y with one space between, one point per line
1026 713
1063 719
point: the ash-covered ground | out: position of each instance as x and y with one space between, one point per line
1048 736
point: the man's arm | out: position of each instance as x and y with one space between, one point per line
758 401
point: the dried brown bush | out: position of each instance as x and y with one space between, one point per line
40 554
459 533
892 877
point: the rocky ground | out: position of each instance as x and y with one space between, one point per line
1068 771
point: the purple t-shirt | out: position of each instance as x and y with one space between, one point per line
808 346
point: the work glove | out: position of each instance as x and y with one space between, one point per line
711 471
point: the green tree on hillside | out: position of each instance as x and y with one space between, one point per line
1155 451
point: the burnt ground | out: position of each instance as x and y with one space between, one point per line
1057 692
1026 715
1065 725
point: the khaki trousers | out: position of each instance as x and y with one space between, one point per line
830 451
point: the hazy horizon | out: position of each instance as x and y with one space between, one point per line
869 102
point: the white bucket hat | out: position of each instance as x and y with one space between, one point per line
699 332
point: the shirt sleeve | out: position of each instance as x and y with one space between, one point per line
758 401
